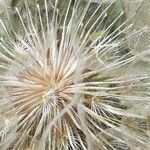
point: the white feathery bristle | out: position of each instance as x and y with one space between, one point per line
69 80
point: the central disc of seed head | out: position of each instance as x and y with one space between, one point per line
52 92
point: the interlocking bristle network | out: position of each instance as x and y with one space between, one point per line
69 80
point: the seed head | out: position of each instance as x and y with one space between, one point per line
66 82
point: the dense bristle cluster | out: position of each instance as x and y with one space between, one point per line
66 83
